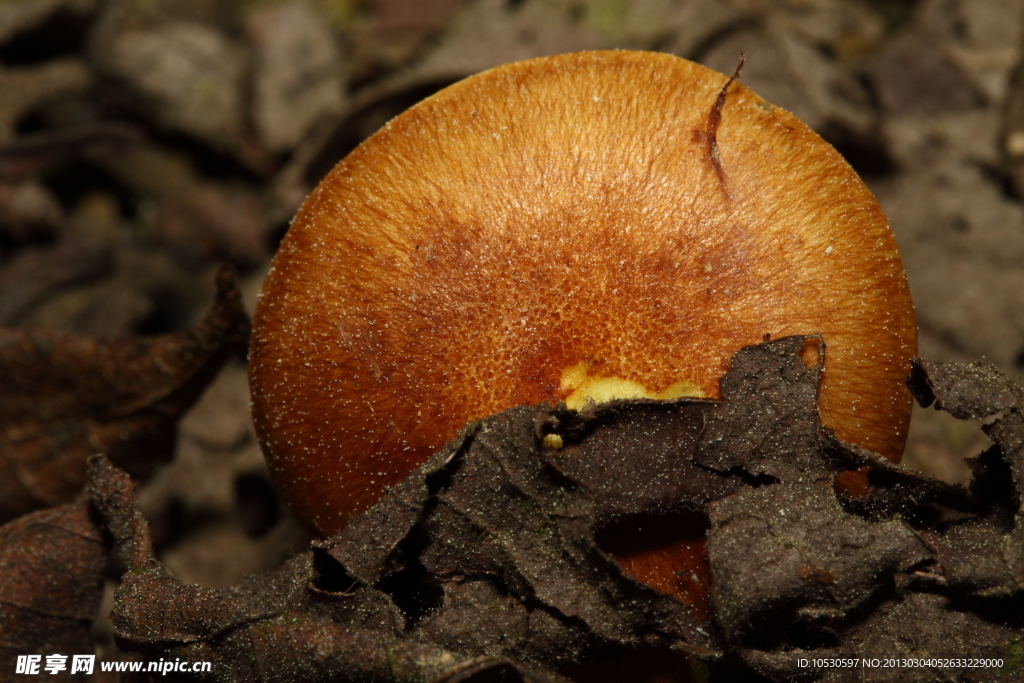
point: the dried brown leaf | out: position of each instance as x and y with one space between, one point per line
64 397
484 559
52 566
267 629
781 551
964 391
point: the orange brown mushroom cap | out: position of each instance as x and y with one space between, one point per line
539 228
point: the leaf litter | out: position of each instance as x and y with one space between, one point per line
484 564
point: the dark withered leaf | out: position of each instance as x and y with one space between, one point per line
487 523
269 628
784 550
983 554
113 495
893 488
964 391
660 473
162 611
368 548
483 562
52 566
490 514
64 397
768 423
849 585
926 625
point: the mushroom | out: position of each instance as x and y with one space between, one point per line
572 228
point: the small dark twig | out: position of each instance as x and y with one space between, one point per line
715 118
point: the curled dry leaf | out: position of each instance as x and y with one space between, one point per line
812 558
964 391
489 555
272 627
64 397
984 554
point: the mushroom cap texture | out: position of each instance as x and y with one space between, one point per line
567 210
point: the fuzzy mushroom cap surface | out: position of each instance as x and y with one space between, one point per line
571 227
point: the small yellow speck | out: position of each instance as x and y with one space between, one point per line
553 441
